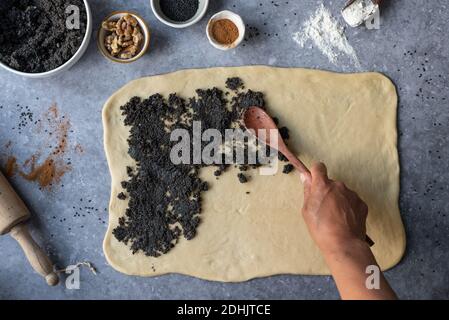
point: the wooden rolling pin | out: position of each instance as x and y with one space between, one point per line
13 214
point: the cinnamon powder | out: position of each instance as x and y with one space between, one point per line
47 173
53 167
11 166
225 31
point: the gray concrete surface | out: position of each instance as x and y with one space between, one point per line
413 36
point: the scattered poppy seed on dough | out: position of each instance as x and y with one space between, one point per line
288 168
242 178
121 196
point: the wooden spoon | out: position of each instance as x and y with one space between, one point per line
256 118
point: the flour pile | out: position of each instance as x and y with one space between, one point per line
327 35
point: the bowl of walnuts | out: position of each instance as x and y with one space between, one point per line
123 37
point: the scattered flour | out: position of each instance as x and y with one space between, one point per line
327 35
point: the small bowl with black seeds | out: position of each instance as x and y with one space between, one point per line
42 38
123 37
179 13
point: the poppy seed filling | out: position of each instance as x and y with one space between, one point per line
164 198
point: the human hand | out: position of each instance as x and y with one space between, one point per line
336 218
335 215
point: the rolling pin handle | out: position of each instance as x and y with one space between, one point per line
52 279
37 258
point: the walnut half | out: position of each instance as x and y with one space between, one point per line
125 37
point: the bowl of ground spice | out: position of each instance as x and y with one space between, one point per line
179 13
225 30
42 38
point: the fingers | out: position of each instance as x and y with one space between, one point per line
363 207
318 170
319 173
306 178
359 204
340 185
307 189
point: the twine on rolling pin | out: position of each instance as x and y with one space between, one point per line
87 264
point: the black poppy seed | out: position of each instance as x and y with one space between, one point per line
179 10
288 168
234 83
242 178
28 20
284 132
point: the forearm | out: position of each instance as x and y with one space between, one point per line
348 265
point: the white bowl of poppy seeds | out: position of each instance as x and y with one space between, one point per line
49 36
179 13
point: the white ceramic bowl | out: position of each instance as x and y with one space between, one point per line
78 54
202 8
238 21
114 16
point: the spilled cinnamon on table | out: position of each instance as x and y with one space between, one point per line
48 171
11 166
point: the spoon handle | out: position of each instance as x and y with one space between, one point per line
296 162
369 241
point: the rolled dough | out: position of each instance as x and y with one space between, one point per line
347 121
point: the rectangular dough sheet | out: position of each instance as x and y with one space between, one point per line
348 121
